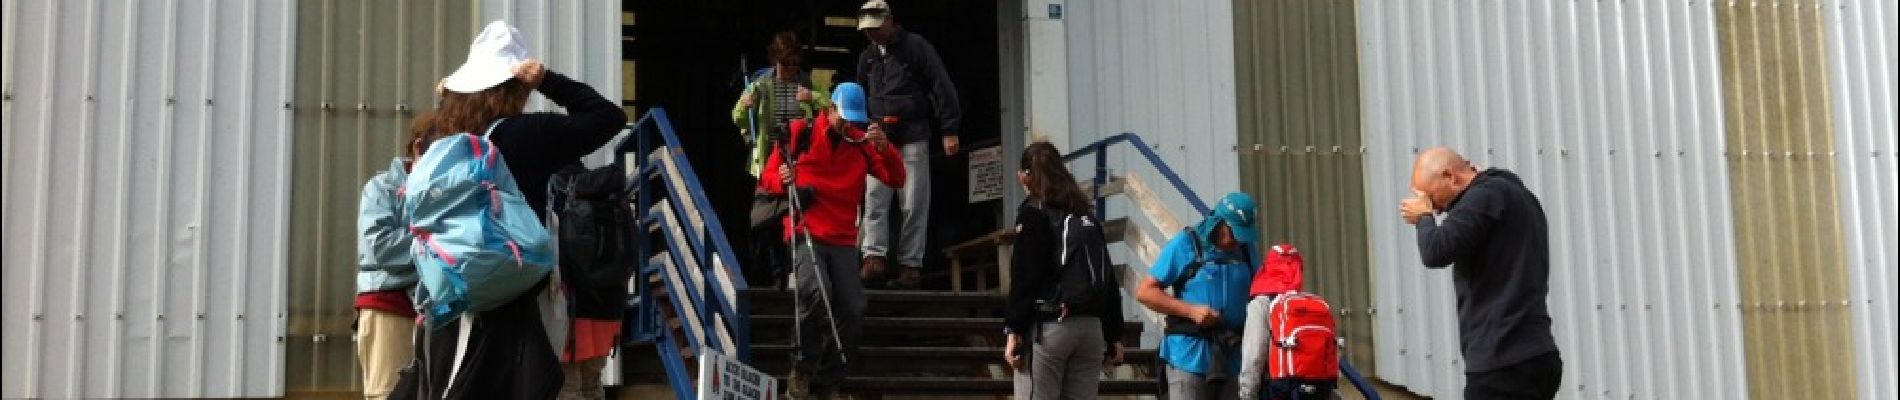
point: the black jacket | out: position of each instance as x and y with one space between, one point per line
906 80
535 145
1033 262
1496 233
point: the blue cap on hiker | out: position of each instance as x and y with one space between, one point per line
851 104
1237 210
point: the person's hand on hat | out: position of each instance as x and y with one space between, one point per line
747 100
530 72
804 94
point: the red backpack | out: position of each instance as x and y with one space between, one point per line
1304 345
1305 348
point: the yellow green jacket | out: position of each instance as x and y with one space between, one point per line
764 82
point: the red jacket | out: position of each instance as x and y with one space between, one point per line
835 169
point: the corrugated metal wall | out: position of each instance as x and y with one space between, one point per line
1300 150
1861 72
1613 114
1162 70
368 68
1787 214
146 145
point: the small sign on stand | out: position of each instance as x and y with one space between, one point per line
725 378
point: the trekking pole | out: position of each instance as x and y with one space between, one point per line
824 289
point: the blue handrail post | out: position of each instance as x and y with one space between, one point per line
1101 179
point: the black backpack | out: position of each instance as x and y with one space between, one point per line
594 229
1085 278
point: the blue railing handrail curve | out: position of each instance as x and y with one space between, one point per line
1100 150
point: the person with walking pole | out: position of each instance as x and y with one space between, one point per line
821 168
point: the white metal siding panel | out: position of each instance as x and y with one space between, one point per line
1862 69
1610 111
145 205
1165 71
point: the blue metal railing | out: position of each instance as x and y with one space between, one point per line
701 244
1100 150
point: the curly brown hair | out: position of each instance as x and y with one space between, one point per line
467 113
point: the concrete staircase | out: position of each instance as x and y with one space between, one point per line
923 343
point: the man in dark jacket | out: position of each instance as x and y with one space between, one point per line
1494 229
913 96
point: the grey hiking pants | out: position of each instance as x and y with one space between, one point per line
1065 362
874 237
812 338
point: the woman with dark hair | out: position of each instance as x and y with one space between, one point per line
775 96
508 351
1064 313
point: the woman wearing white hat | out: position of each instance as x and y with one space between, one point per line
507 353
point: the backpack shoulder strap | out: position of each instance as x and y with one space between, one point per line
492 126
1193 267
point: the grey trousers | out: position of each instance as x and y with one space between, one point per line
874 235
1065 362
839 264
1183 385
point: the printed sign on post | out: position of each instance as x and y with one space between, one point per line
722 377
986 174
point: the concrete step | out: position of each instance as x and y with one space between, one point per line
924 354
958 386
920 326
893 298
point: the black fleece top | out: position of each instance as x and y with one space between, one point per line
535 145
1495 231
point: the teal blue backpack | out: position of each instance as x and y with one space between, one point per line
478 244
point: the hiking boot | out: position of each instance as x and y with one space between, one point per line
873 269
797 386
908 278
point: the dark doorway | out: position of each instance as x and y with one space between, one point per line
687 58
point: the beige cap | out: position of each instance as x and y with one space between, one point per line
872 14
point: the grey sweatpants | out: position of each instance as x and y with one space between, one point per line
1183 385
1065 360
874 236
839 264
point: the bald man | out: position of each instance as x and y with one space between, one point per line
1493 229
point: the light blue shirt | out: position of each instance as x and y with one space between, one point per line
1221 283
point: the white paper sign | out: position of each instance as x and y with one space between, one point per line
725 378
986 174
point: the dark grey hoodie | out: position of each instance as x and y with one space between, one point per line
1496 233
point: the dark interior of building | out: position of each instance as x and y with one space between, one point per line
689 56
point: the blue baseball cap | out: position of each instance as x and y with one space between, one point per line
849 97
1237 210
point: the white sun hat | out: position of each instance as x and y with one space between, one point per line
491 59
